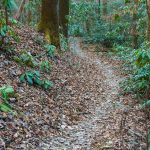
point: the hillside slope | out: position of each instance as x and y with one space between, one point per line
82 111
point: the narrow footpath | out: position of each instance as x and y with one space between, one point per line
111 121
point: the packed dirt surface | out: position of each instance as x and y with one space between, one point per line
112 122
83 111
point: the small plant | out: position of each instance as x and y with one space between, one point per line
6 93
146 103
34 77
7 32
63 42
50 50
142 55
46 84
26 59
139 80
31 77
45 66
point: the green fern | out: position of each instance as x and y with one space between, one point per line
10 4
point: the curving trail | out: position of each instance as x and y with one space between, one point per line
102 128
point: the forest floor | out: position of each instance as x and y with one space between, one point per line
83 111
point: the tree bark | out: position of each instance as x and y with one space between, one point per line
63 12
53 16
134 25
17 15
148 19
49 21
104 7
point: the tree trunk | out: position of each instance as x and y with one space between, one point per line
99 4
6 16
148 19
134 25
49 21
29 17
63 12
104 7
53 15
17 15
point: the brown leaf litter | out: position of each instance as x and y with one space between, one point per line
82 111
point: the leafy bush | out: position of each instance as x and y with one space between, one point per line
6 93
81 14
6 33
10 4
45 66
139 80
88 20
146 103
32 7
34 77
50 50
63 42
31 77
6 30
26 59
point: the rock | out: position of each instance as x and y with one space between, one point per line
2 126
63 126
12 100
2 144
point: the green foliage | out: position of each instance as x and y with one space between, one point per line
63 42
81 14
10 4
6 93
45 66
7 32
34 78
146 104
115 29
31 77
142 55
86 19
127 1
4 107
46 84
50 50
138 62
26 59
32 6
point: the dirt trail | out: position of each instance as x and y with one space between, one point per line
102 127
102 122
83 110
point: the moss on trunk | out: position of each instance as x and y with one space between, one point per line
148 19
53 16
49 21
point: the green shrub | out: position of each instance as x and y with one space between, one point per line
7 32
34 78
50 50
26 59
45 66
139 80
6 93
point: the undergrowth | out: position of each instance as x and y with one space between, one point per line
33 67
